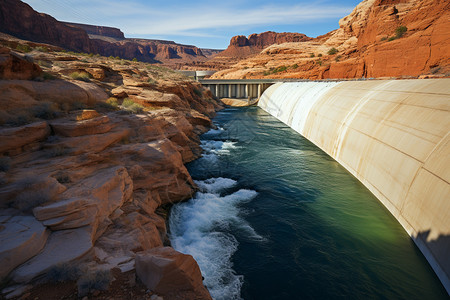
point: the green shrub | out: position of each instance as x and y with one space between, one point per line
294 66
332 51
111 57
338 58
63 272
198 92
384 38
312 55
127 102
113 102
91 54
5 163
23 48
152 81
41 49
117 57
48 76
83 76
392 38
131 106
400 31
99 280
45 110
20 118
135 59
319 62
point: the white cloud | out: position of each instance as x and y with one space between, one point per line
189 19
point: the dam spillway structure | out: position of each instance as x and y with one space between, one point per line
393 136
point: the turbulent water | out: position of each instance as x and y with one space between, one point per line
276 218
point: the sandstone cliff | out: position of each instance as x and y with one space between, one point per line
20 20
98 30
92 152
380 38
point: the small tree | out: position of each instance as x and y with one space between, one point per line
400 31
332 51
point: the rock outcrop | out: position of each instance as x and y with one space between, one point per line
14 66
171 274
20 20
378 39
99 30
90 187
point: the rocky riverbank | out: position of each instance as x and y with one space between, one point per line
92 153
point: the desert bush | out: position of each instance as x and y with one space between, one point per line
45 110
5 163
384 38
320 55
332 51
198 92
110 104
134 59
83 76
20 118
312 55
63 178
48 76
99 280
294 66
30 199
41 49
152 81
23 48
338 58
131 106
319 62
392 38
400 31
63 272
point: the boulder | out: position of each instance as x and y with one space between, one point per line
169 272
14 139
14 66
21 238
64 246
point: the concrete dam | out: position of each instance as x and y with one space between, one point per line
393 136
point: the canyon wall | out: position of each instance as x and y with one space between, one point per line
394 136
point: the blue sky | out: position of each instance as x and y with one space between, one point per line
206 24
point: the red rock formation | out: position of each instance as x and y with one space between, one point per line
368 46
241 47
20 20
99 30
13 66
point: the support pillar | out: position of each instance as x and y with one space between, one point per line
238 91
229 91
259 91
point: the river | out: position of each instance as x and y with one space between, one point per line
277 218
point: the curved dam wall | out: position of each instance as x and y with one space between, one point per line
394 136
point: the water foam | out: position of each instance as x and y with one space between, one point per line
200 227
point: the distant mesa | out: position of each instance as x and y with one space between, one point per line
102 31
20 20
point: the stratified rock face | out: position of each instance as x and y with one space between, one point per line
367 45
99 30
21 238
241 47
171 273
19 19
13 66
